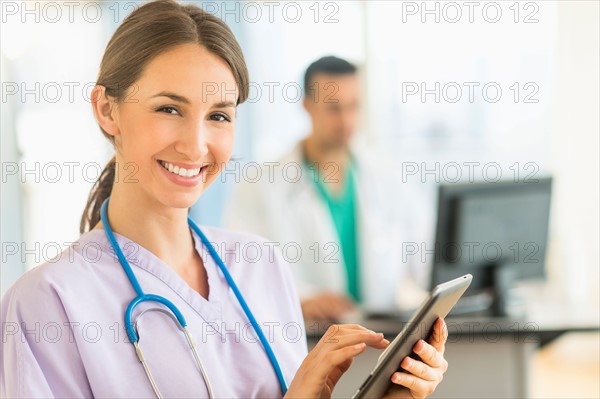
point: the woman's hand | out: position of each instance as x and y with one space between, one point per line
330 358
422 376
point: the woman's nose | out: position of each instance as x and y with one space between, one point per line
193 141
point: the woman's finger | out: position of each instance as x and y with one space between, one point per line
339 335
332 359
429 355
419 388
336 330
339 371
373 339
421 370
354 327
439 336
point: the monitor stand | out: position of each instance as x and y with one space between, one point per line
504 275
499 300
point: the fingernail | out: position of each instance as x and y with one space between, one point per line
398 378
419 345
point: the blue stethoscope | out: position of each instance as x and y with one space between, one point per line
142 297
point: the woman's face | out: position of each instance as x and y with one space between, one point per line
176 125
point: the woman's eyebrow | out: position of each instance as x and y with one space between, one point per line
225 104
172 96
184 100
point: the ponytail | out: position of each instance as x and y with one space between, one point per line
100 191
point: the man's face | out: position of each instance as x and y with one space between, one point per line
332 104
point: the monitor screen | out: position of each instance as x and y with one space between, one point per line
485 225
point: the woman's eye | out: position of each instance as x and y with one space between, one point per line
169 110
220 117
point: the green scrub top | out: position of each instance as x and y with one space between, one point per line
342 208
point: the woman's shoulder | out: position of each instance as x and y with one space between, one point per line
258 265
250 250
228 240
230 234
67 267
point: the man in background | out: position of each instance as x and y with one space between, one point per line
349 213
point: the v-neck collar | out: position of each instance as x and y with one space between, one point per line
210 310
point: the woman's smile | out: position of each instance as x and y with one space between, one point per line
181 170
183 174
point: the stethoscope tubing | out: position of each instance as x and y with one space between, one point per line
141 296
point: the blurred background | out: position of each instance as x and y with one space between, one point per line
510 83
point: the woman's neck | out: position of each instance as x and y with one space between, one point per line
162 230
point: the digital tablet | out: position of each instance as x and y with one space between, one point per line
438 304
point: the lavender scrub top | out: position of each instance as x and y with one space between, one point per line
63 332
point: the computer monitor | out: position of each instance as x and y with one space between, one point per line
495 231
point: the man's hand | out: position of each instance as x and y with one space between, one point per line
326 307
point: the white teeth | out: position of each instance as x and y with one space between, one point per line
180 171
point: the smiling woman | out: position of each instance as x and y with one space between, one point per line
167 116
166 97
138 71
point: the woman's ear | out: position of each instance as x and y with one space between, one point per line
104 107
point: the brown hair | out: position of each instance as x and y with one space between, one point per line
149 30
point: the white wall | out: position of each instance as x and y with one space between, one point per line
11 211
575 148
48 127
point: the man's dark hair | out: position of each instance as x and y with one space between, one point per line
329 65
